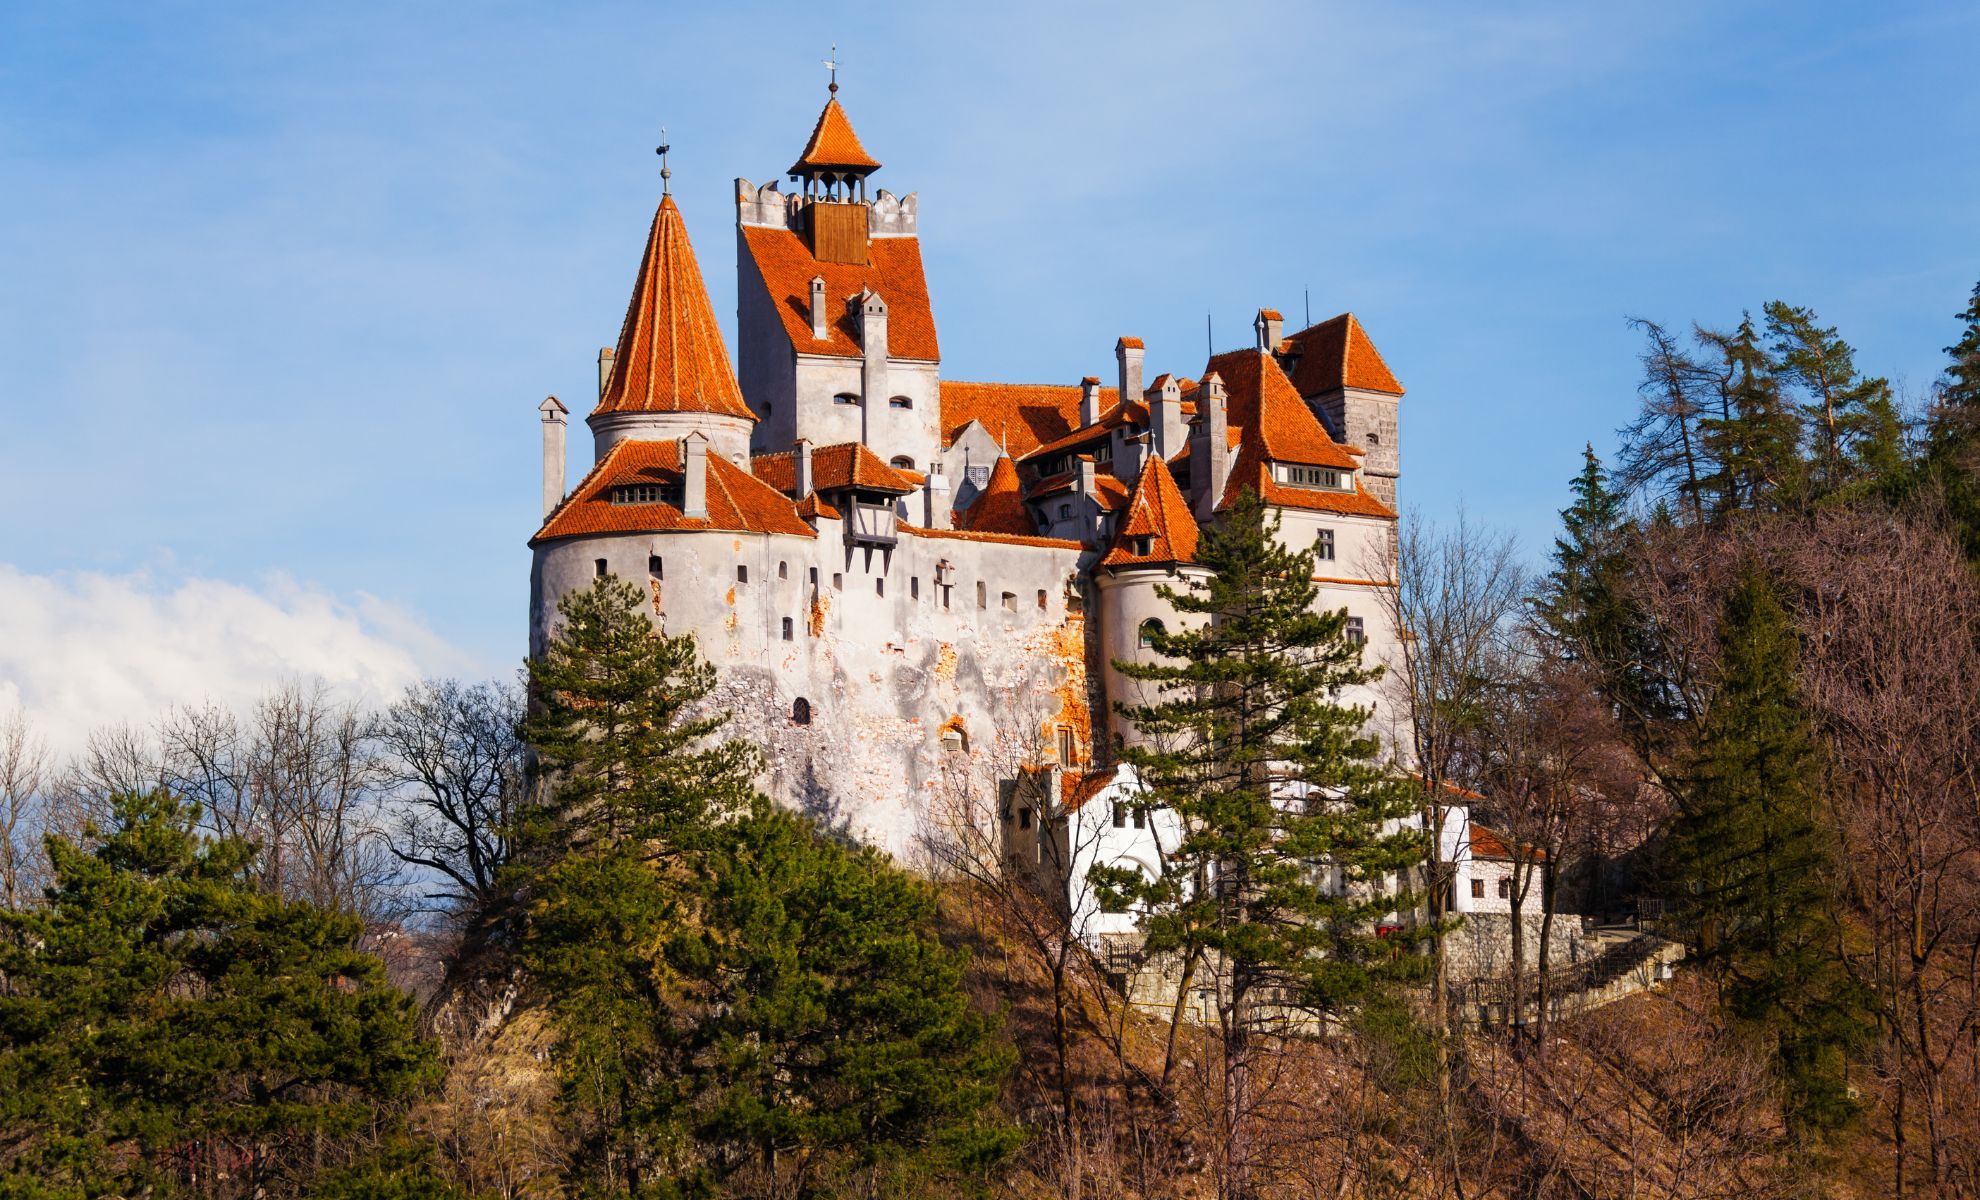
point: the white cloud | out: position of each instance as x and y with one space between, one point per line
80 650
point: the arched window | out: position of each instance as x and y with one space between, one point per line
846 398
800 711
1149 628
955 738
783 570
900 402
901 462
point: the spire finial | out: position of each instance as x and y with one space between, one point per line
665 173
832 65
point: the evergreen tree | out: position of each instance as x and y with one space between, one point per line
1581 603
1276 784
614 721
1757 437
1754 865
1953 450
167 1027
1959 390
1859 438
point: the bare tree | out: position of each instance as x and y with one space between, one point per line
1662 456
454 755
23 777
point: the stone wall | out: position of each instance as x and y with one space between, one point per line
1481 948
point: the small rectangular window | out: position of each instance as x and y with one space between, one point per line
1505 888
1067 745
1478 889
1024 818
783 570
814 576
914 587
1323 549
653 566
1120 815
1356 631
838 581
1140 818
742 573
789 630
945 597
1065 510
879 585
982 592
1010 601
1041 597
601 569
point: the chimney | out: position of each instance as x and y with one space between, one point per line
935 493
801 468
1128 352
605 358
694 475
1216 446
1269 326
1089 401
1131 458
554 412
817 307
1165 419
873 370
1089 489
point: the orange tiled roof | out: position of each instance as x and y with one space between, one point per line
833 468
1486 843
736 500
811 508
1109 490
786 267
1252 469
1264 403
1336 353
833 144
999 507
1160 514
1022 416
670 356
1081 787
977 535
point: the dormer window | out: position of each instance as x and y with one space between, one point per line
1324 478
901 462
647 493
1141 545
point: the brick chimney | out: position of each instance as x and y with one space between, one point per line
1089 400
1089 491
605 358
1128 353
694 475
1269 326
801 468
554 412
817 307
1212 403
935 497
1165 418
873 368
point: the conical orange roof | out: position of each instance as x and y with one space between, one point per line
833 144
1000 508
1159 514
671 357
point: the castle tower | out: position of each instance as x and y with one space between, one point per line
670 374
835 335
1154 546
1337 370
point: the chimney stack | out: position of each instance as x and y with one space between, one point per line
935 492
694 475
1165 418
554 412
1127 353
1089 490
606 355
1089 401
801 468
1217 445
1269 325
817 307
873 368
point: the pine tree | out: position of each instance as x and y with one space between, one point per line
1952 458
1754 866
166 1026
614 719
1960 388
1579 605
1275 782
1757 438
1859 438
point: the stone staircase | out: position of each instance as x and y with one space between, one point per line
1626 960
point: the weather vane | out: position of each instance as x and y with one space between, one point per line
832 65
665 173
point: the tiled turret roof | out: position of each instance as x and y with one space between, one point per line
1159 513
786 266
736 500
1336 353
670 356
1000 507
833 468
833 144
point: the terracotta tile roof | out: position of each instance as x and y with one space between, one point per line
670 356
977 535
1160 514
833 468
999 507
1080 787
811 508
1336 353
833 144
1486 843
894 270
1252 469
1022 416
1109 490
1264 403
1270 314
736 500
1110 419
1132 343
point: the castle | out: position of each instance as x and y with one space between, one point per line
914 587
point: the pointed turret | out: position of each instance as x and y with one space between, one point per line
670 374
833 147
1159 530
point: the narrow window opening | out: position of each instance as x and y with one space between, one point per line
1140 818
742 573
1478 889
1041 597
1120 815
1505 888
601 569
914 587
982 592
1068 746
901 402
783 570
1009 601
879 585
1024 818
1356 631
800 711
1065 510
846 398
653 566
790 631
1146 637
901 462
1323 549
838 581
814 577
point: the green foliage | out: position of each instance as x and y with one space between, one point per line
1858 437
1270 776
1960 388
164 1021
1756 439
402 1171
1754 866
1952 459
613 719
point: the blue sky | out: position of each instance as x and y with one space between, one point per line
280 286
